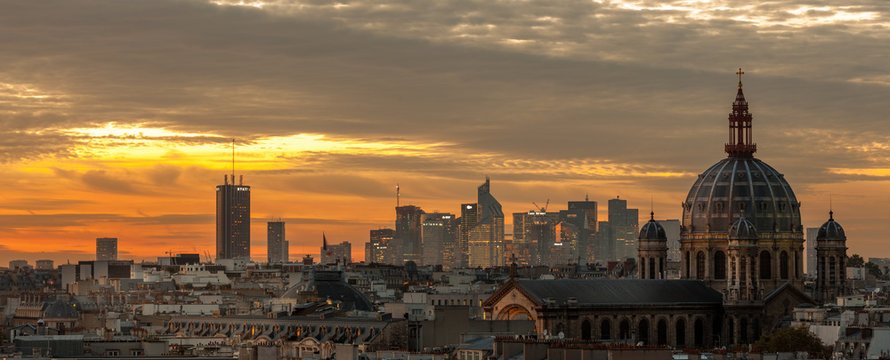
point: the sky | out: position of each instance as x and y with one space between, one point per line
116 117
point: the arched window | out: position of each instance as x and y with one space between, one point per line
743 331
783 265
606 330
700 265
662 329
624 330
642 267
719 265
643 331
766 265
699 333
585 330
680 332
652 268
688 274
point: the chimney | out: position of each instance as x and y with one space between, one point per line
226 179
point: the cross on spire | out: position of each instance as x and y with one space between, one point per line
740 73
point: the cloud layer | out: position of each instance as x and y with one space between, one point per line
112 110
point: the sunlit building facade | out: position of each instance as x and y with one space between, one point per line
486 239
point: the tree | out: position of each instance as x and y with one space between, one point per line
794 339
855 261
874 269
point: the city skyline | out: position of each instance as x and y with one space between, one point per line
127 139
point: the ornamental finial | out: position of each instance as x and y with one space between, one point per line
740 73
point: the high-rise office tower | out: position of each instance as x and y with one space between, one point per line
232 220
285 251
486 239
106 248
408 241
811 234
587 232
275 242
439 237
534 233
623 227
672 231
377 249
468 218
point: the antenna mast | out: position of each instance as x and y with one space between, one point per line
397 195
233 161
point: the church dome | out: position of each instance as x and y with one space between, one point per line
831 230
743 229
652 231
738 184
741 183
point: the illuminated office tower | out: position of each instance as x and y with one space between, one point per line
439 237
232 220
486 239
377 249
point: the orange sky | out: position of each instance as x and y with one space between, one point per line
116 117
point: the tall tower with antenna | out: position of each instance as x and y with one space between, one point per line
232 216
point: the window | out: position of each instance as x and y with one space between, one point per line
766 265
700 265
719 265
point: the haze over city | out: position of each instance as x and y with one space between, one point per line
117 117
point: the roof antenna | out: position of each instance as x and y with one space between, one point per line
397 194
233 161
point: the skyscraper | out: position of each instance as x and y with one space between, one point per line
468 218
486 239
812 233
408 241
275 242
439 238
106 248
534 233
377 249
232 220
587 235
623 225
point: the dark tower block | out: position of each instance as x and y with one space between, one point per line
232 220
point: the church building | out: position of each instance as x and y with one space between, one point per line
741 241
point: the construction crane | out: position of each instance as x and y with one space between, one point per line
544 208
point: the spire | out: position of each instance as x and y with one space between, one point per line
740 142
324 241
